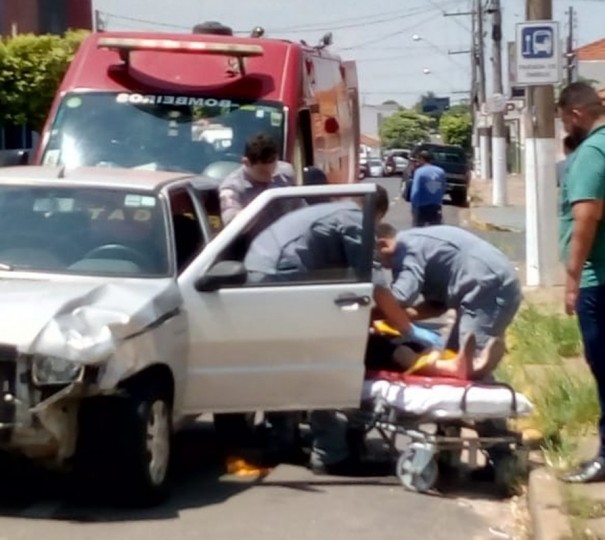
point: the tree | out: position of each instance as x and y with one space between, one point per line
456 129
391 102
404 129
31 69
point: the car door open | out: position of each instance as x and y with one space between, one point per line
282 344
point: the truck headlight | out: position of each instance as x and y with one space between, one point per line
54 370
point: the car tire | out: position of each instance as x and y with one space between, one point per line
459 197
125 445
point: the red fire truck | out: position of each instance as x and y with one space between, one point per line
188 102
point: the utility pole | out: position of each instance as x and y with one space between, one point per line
499 168
543 268
569 54
484 131
98 24
475 114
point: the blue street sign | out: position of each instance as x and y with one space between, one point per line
538 57
538 42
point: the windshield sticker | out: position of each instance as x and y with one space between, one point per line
73 102
103 214
51 157
137 201
188 101
276 119
260 113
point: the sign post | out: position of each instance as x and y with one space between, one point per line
538 66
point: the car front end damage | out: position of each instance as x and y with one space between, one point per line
85 349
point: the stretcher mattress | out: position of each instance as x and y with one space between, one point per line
444 401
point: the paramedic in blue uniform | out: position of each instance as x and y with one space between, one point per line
261 169
321 238
428 189
447 267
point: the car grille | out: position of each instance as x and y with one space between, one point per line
8 375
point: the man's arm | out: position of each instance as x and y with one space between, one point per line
390 309
425 310
586 194
231 205
408 283
415 187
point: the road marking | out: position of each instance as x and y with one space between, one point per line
41 510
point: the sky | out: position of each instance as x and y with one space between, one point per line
393 41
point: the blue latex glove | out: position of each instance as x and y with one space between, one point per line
425 337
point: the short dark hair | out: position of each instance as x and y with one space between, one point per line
385 230
425 155
580 95
261 148
570 143
381 202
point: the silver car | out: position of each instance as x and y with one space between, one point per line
125 313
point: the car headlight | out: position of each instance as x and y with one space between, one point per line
54 370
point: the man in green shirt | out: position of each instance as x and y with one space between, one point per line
582 242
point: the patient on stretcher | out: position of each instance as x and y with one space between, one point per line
387 354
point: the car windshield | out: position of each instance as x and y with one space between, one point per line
156 132
82 230
447 155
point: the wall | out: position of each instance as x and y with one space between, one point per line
369 120
44 16
23 14
594 69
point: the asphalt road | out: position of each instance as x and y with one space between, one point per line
512 244
288 504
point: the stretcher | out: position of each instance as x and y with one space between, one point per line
431 415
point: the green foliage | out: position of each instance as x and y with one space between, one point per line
456 128
404 129
31 69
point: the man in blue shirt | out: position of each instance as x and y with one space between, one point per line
428 189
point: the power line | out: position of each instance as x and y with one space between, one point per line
356 22
301 28
387 36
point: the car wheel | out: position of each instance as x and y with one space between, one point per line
128 448
459 196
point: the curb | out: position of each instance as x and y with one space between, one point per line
546 507
487 226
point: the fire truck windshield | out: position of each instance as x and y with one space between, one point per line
169 132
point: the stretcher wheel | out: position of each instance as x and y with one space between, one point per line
417 468
510 473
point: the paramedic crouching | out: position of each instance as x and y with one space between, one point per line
323 238
451 268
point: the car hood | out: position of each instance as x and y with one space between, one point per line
81 321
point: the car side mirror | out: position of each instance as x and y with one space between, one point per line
222 274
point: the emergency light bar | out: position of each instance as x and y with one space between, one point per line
127 45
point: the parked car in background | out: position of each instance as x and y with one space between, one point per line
375 167
395 161
453 160
363 169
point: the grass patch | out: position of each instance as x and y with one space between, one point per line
581 509
544 338
539 364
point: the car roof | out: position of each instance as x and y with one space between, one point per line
102 177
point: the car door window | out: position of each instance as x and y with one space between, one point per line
188 236
295 241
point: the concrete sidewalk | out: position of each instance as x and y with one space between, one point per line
560 510
507 218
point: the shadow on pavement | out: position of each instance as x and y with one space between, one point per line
198 480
